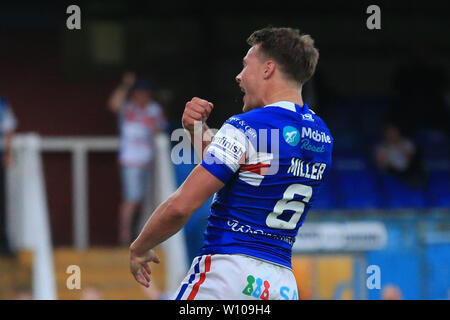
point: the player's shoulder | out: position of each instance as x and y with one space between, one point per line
249 118
243 125
240 121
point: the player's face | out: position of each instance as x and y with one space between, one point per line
249 79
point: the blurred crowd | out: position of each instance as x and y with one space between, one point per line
140 118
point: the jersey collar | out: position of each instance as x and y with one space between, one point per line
289 106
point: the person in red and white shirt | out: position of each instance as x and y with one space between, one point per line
140 119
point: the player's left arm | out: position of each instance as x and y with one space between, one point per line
169 218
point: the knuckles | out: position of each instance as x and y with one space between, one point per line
194 107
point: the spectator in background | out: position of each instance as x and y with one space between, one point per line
140 118
391 292
397 155
23 294
154 293
8 124
91 293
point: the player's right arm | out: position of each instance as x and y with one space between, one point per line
195 114
118 96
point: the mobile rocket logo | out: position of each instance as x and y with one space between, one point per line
291 135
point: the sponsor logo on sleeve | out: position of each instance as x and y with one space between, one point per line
232 147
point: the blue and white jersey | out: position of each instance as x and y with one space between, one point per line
272 161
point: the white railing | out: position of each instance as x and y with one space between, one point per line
79 148
28 221
29 226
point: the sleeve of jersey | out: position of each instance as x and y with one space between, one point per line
223 156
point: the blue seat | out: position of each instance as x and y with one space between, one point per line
433 144
357 189
326 197
438 191
398 195
355 183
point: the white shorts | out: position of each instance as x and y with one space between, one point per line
236 277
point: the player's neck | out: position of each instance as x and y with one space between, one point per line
293 95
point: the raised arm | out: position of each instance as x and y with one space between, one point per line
118 96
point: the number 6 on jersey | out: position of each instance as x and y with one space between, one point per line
287 203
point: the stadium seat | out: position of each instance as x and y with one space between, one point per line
432 144
357 190
438 191
326 197
355 183
346 143
398 195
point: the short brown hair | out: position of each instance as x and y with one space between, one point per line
294 52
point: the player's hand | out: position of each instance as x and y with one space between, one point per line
139 266
196 110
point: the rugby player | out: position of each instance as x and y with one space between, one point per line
264 166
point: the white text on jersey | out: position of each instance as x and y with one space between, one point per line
316 135
300 168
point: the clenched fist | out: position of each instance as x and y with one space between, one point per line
196 110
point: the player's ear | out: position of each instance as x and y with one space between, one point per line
269 68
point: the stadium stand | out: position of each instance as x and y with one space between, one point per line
355 183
